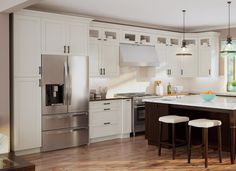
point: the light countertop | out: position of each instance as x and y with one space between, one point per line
219 102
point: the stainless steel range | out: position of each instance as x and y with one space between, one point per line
138 113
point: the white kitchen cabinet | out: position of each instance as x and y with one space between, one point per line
64 37
27 114
105 118
54 38
140 38
208 60
109 119
204 61
105 34
126 116
78 39
94 58
109 60
27 46
104 58
189 64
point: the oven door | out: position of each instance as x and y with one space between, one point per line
139 118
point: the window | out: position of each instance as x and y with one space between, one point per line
231 68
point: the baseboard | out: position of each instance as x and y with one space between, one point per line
94 140
25 152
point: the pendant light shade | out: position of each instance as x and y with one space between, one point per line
184 51
228 47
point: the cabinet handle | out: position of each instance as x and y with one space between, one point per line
40 70
170 71
106 103
40 83
68 49
100 71
104 71
209 71
182 71
105 39
107 109
128 100
99 39
107 123
65 49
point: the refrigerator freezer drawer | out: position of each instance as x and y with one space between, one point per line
59 121
59 139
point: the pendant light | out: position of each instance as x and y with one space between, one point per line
184 51
228 48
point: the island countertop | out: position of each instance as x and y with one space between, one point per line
219 102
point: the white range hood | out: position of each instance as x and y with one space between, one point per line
138 55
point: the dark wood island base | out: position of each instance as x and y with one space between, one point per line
227 117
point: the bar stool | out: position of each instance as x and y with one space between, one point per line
171 119
205 124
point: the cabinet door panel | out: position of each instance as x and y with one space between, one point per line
27 114
190 64
94 53
204 68
27 46
173 61
78 39
110 58
54 37
126 116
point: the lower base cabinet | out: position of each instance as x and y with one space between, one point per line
26 121
109 119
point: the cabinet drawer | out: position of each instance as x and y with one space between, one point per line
104 105
103 118
64 121
64 138
105 130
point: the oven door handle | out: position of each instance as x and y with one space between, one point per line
136 107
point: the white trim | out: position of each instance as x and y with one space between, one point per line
29 151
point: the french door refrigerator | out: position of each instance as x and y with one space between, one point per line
65 98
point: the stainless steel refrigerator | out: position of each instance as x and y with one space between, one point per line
65 98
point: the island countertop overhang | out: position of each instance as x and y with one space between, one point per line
226 103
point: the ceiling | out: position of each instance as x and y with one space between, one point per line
201 14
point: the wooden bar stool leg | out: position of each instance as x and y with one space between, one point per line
189 144
186 135
202 148
219 144
160 137
173 142
206 146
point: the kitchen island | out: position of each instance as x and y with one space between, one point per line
220 108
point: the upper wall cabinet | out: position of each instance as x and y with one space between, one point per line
208 50
102 34
132 37
103 52
64 37
189 64
27 46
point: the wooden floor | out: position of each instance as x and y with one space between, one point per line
126 154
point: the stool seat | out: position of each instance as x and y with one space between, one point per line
173 119
204 123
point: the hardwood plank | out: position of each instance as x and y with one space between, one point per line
126 154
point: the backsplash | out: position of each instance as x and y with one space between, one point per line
142 80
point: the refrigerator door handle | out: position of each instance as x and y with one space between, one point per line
69 84
65 83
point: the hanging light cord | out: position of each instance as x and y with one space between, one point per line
229 2
184 24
